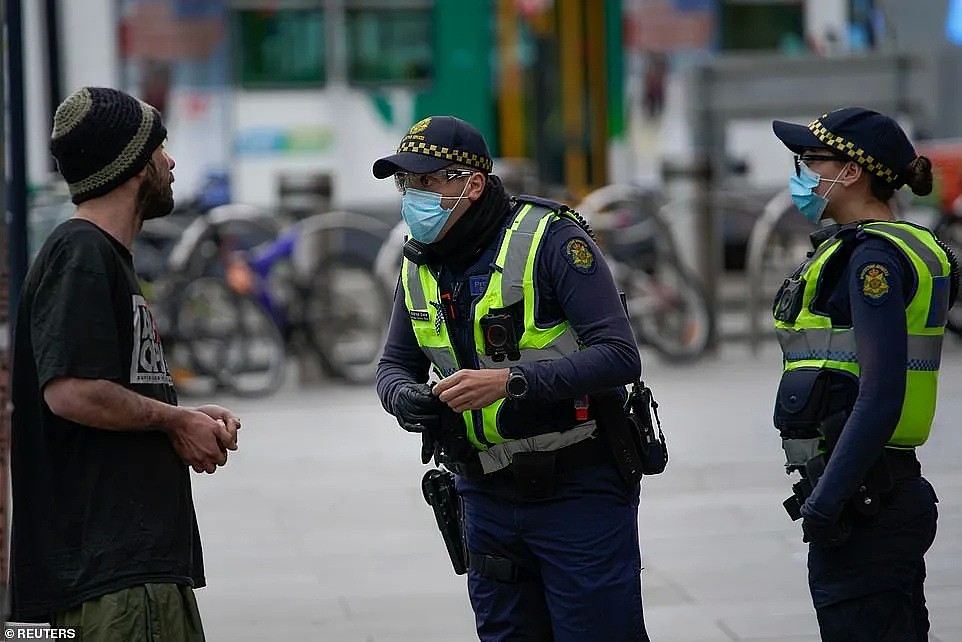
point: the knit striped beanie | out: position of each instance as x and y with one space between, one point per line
102 138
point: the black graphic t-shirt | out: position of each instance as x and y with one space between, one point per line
94 511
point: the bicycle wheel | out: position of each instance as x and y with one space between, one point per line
347 313
230 337
666 305
667 308
190 378
387 264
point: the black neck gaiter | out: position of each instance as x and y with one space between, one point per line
475 230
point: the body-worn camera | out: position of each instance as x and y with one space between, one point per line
500 336
788 303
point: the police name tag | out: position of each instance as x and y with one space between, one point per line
419 315
479 284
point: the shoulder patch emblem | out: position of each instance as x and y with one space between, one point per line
874 279
579 255
420 126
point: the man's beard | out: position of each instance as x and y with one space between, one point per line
154 199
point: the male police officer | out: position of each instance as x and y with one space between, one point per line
861 323
512 305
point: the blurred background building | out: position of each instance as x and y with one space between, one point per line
590 92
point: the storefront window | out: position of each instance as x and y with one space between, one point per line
390 45
757 25
276 48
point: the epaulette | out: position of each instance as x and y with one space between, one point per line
543 202
561 209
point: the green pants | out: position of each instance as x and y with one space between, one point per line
145 613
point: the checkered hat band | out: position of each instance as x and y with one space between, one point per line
853 151
453 155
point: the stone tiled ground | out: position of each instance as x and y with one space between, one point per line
316 530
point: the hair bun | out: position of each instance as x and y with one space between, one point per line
918 175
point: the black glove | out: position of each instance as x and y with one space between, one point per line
822 534
415 407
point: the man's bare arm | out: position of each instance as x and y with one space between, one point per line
200 440
104 404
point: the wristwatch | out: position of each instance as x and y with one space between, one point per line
516 386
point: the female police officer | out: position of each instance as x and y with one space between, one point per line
512 305
860 323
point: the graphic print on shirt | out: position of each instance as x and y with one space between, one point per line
147 362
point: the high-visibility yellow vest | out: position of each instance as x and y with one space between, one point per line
512 281
810 341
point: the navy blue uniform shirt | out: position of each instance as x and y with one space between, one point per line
586 297
881 337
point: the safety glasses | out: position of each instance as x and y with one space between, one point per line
807 158
429 182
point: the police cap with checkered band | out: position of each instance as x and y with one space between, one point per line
873 140
434 143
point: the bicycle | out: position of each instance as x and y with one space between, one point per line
666 303
216 334
777 244
316 281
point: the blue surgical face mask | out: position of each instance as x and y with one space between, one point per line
423 213
802 186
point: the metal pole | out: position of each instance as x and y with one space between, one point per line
16 174
5 334
54 63
3 131
571 42
707 136
14 207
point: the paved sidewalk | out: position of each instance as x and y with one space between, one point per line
316 530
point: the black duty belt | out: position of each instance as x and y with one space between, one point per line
902 464
589 452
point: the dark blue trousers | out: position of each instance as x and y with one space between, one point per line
578 556
871 589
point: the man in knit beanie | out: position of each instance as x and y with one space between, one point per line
104 532
102 138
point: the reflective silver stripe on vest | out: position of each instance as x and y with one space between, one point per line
442 358
498 457
820 343
826 245
519 246
418 301
563 346
923 251
924 352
